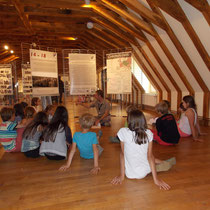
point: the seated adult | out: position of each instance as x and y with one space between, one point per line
103 109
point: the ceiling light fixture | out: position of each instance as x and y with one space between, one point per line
6 47
89 25
11 51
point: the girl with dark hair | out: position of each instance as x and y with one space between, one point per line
57 136
31 135
136 157
19 112
188 123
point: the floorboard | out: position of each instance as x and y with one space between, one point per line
37 184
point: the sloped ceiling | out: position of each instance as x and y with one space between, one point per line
170 38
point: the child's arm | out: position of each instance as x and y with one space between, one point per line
96 168
71 155
119 179
151 160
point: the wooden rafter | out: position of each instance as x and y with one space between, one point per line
150 77
103 39
138 84
129 16
173 8
139 8
188 62
117 31
112 36
117 21
203 6
22 15
156 72
177 69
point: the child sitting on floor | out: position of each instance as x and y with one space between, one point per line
136 157
19 113
87 144
167 132
8 132
115 139
57 136
49 110
31 135
188 124
28 117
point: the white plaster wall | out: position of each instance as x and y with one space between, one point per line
150 100
199 102
165 95
189 48
174 100
144 2
184 93
198 22
181 63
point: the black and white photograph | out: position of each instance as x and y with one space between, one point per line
44 81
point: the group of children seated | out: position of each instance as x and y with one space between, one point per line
47 133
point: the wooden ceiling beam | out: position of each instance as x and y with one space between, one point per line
5 60
149 75
96 42
176 67
22 15
4 53
139 8
112 37
172 7
156 72
117 21
188 62
61 4
45 18
103 39
129 16
203 6
117 31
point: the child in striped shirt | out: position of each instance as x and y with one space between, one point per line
8 132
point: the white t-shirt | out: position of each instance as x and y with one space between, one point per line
136 162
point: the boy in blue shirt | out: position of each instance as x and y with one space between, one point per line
87 143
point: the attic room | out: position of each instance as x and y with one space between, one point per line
165 43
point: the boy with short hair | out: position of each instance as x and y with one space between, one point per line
8 133
87 143
167 132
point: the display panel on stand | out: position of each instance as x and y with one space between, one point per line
44 71
82 71
119 73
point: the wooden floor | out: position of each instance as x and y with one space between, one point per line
37 184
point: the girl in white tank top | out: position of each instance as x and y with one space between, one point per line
188 124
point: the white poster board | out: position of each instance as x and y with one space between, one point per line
44 71
6 79
119 73
82 71
27 79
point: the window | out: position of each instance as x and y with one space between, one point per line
142 79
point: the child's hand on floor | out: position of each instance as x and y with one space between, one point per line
117 180
63 167
162 184
95 170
